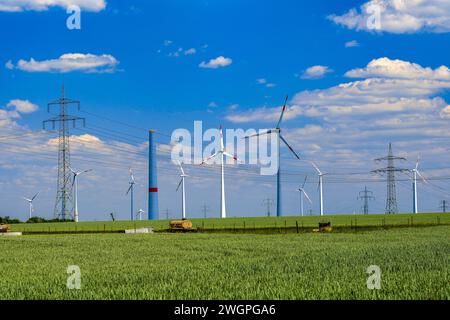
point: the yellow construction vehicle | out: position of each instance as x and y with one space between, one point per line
4 228
181 226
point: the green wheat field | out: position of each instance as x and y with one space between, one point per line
415 261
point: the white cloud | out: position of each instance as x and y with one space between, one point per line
445 113
399 69
233 107
42 5
190 51
264 114
216 63
9 65
168 42
352 44
22 106
400 87
177 53
399 16
212 104
315 72
70 62
263 81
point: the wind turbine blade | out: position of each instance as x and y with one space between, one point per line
230 156
315 167
307 197
258 134
73 171
29 200
222 147
420 175
128 191
85 171
179 184
210 157
74 178
181 167
304 182
34 197
282 113
417 162
131 175
290 148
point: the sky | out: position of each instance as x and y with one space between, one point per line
359 74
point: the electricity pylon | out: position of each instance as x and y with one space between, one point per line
366 195
268 203
64 198
205 210
444 206
390 170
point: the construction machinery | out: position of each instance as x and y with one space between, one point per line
181 226
4 228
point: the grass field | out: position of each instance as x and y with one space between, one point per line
259 222
415 264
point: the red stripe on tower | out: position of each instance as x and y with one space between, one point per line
152 189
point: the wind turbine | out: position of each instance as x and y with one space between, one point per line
140 212
131 188
183 192
416 173
221 153
277 130
75 183
303 192
30 202
320 174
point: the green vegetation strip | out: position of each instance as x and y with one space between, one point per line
414 263
290 222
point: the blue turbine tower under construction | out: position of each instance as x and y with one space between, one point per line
153 211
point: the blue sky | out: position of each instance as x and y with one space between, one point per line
150 77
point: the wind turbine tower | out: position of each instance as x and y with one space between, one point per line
183 191
75 185
139 213
30 203
277 131
303 193
416 173
221 153
131 191
320 186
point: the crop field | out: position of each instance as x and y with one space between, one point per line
415 264
249 223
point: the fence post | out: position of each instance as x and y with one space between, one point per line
296 224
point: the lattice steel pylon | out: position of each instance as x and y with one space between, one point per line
64 195
390 170
366 195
